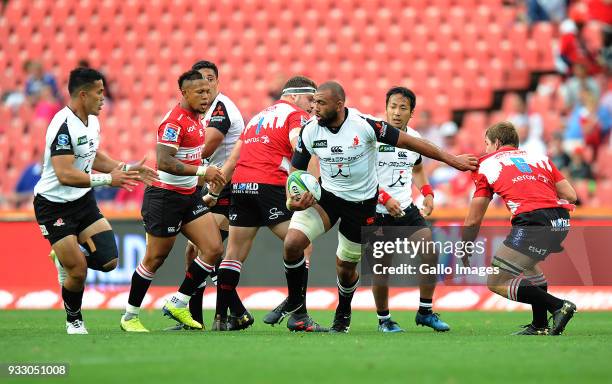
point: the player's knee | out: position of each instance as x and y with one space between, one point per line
348 250
102 251
294 247
78 273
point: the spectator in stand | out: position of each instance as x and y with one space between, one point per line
573 47
581 81
557 154
546 10
428 129
47 106
578 168
588 124
37 79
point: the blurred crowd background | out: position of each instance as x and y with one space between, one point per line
543 64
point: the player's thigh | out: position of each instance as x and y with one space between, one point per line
510 263
157 250
239 242
280 229
353 217
204 233
69 254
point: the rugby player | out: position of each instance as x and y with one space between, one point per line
173 205
258 196
345 142
539 198
223 125
396 170
64 203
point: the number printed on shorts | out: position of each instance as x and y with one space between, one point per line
233 216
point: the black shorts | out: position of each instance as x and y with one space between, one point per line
352 214
223 202
539 233
258 205
164 211
58 220
412 218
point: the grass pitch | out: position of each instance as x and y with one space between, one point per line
477 349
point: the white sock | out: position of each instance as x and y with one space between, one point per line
180 300
131 311
382 318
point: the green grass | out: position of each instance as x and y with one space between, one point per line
478 349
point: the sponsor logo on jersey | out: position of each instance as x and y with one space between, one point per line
523 178
381 127
402 155
355 141
343 170
63 139
171 229
200 208
170 133
82 140
560 223
399 176
319 144
43 230
336 149
59 222
218 111
386 148
298 145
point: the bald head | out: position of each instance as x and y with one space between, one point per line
335 90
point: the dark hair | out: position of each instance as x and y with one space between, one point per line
335 88
504 132
82 77
299 82
189 75
407 93
202 64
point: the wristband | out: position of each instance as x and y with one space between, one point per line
126 167
427 190
383 196
201 170
214 196
99 179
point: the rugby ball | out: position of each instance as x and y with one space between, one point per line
299 182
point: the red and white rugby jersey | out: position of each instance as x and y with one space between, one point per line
265 155
525 181
183 130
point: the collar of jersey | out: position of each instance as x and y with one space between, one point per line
505 148
336 130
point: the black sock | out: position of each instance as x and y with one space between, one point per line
304 289
523 291
197 272
72 304
227 280
345 295
294 272
235 304
425 306
383 315
539 311
141 280
195 304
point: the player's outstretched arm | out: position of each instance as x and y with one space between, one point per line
214 137
473 220
68 175
227 170
428 149
104 163
168 163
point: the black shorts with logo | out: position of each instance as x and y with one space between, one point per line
164 211
258 205
412 219
539 233
58 220
224 201
352 214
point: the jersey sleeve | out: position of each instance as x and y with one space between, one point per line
62 142
384 132
169 133
419 160
302 153
483 188
557 175
220 119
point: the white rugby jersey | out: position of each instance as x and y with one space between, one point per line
224 116
394 169
347 156
67 135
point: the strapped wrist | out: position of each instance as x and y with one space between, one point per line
201 170
383 197
99 179
427 190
